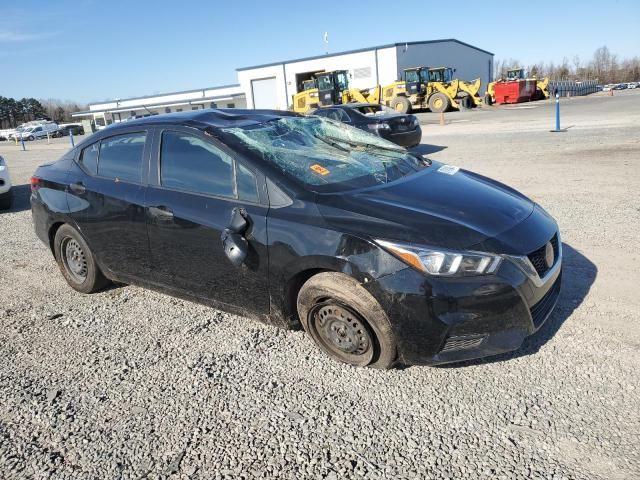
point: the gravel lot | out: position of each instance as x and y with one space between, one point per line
129 383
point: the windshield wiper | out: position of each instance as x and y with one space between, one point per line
354 143
330 141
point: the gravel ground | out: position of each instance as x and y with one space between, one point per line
129 383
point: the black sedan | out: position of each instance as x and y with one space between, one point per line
74 129
399 128
382 255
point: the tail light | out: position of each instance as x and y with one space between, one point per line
35 183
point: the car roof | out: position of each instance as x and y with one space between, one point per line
352 106
211 117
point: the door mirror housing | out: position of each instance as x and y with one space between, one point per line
238 223
235 247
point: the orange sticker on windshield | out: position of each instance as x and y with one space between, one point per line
319 169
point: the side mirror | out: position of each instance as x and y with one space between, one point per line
235 247
234 244
238 223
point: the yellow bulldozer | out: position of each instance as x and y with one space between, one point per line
331 88
542 85
432 88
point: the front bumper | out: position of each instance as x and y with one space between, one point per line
438 321
442 320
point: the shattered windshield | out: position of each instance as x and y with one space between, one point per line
325 154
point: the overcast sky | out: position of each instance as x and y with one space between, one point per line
89 50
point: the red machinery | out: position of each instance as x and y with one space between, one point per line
515 91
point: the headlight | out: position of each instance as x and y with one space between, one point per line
441 262
378 126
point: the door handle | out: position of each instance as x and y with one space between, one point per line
161 212
77 188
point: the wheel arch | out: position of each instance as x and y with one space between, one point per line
53 229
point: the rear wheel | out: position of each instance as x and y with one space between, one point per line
345 321
401 104
76 262
439 102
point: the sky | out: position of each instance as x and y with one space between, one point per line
92 50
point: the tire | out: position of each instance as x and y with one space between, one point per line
439 102
346 322
488 100
401 104
76 261
31 138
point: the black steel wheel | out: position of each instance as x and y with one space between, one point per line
76 262
342 333
346 321
74 259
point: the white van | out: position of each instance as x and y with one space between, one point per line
35 132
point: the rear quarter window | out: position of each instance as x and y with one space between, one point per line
89 158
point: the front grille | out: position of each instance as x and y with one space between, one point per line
540 311
537 257
462 343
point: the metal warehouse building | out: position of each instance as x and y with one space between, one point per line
273 85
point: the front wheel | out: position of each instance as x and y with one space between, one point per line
401 104
31 138
439 102
76 262
345 321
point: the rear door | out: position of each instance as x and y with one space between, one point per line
195 184
106 187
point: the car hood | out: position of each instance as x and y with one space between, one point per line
439 206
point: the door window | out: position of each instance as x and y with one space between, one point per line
190 163
89 158
121 157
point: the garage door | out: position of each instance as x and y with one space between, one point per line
264 93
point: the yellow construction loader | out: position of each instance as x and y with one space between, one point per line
331 88
432 88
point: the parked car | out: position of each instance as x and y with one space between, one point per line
399 128
382 255
5 185
75 129
36 132
13 134
620 86
632 85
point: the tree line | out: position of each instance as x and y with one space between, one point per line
15 112
604 67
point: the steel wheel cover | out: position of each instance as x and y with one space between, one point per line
342 333
75 260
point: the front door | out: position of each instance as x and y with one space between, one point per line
196 186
